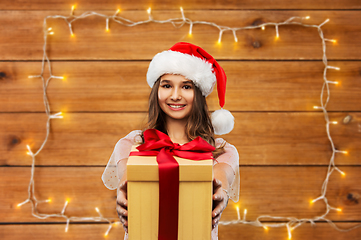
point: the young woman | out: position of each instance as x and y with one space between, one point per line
181 78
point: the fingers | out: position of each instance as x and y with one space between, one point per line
123 185
123 215
219 203
219 206
125 228
216 184
216 220
122 204
122 195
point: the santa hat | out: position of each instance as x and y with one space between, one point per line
197 65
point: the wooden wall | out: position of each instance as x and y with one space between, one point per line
272 88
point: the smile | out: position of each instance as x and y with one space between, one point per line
176 106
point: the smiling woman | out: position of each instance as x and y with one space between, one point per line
181 78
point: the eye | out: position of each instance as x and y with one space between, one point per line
187 87
166 86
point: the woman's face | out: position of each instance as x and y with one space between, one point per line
175 96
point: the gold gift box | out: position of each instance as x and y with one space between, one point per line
195 198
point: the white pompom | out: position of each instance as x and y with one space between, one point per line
222 121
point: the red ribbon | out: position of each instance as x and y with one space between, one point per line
159 144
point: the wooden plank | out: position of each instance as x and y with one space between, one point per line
261 138
322 231
306 231
276 191
23 37
187 4
56 231
121 86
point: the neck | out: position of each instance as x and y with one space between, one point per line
176 130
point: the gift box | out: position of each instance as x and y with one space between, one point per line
195 198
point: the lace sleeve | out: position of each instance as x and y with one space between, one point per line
111 174
231 158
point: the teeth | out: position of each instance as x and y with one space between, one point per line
176 106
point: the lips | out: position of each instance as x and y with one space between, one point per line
176 107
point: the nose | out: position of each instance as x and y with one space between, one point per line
176 95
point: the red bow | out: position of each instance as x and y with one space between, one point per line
159 144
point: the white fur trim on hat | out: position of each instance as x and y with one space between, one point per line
191 67
222 121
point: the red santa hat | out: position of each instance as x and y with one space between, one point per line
195 64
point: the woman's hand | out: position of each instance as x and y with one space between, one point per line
122 204
220 201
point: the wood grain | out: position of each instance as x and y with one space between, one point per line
322 231
186 4
272 88
261 138
121 86
24 41
276 191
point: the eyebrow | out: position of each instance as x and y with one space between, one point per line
184 82
189 81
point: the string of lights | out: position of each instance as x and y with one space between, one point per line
290 223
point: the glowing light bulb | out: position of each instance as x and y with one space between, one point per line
97 209
107 25
49 29
307 17
72 10
68 200
149 10
48 200
338 209
343 173
190 29
51 33
334 122
181 9
238 214
263 27
118 11
29 150
265 228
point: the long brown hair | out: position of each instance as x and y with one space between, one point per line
198 123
